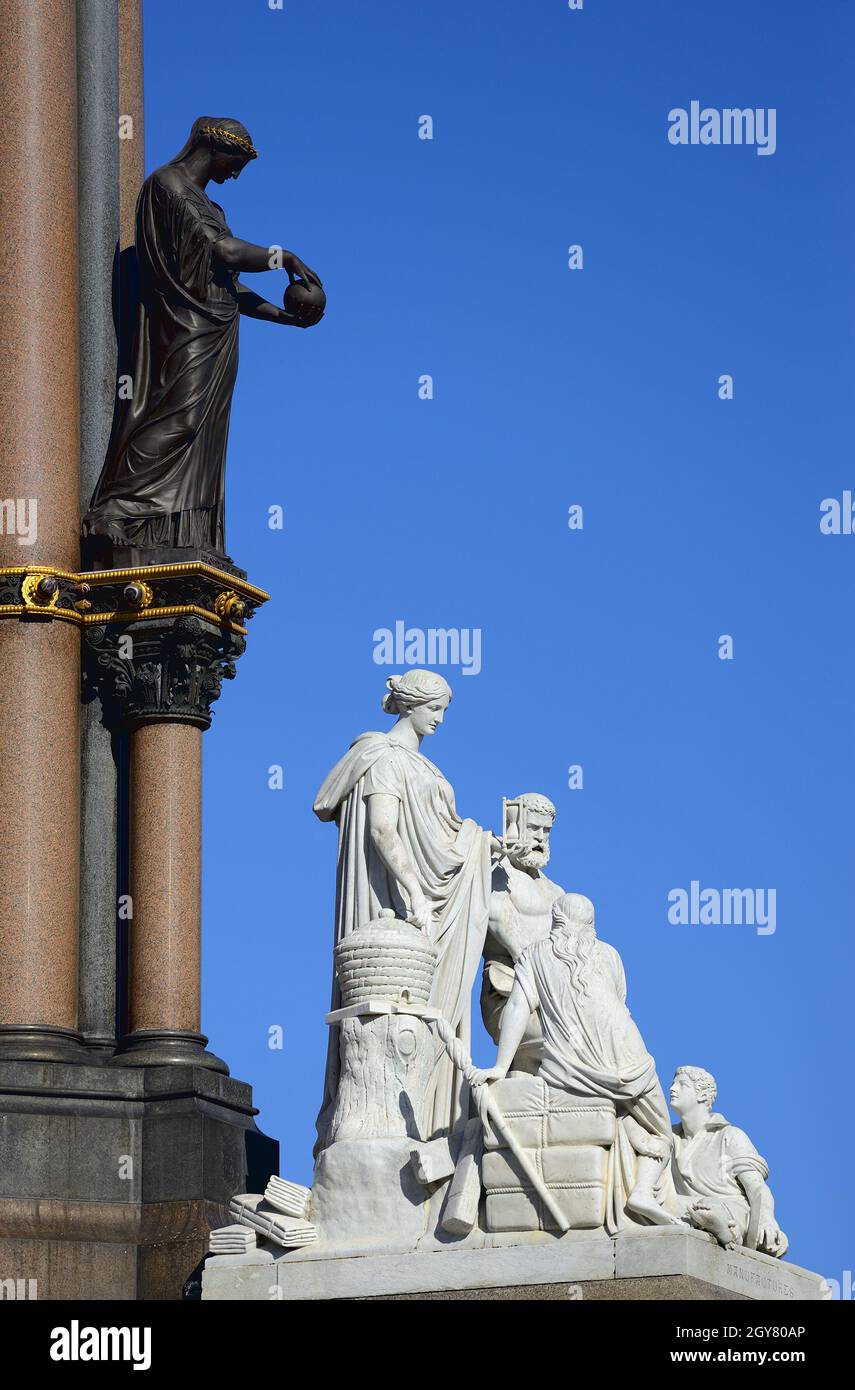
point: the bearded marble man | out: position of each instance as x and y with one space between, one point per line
520 914
719 1177
592 1047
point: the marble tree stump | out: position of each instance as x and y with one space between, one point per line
386 1066
364 1187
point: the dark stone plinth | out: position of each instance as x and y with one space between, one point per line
40 1043
160 1047
111 1178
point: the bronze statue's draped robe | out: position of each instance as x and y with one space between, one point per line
163 480
451 858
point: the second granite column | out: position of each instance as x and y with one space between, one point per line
166 897
160 641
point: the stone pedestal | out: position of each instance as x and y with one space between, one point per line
111 1178
659 1263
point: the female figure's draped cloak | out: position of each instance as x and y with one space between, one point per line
163 480
451 858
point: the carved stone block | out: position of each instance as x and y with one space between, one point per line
366 1189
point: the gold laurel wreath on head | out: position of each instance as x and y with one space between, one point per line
230 135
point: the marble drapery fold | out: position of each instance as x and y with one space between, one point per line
709 1164
593 1047
451 858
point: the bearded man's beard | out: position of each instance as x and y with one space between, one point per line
532 859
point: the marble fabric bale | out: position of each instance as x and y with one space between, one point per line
570 1142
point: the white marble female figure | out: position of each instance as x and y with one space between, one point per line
403 846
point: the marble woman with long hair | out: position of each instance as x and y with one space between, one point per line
403 846
592 1047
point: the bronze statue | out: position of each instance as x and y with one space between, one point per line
162 485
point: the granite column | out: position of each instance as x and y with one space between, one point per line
164 1010
39 492
102 756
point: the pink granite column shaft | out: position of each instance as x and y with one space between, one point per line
39 485
132 147
166 878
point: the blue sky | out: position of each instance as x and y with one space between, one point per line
552 387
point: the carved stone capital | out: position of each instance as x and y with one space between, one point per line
162 640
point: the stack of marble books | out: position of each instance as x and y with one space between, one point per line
291 1198
232 1240
269 1223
